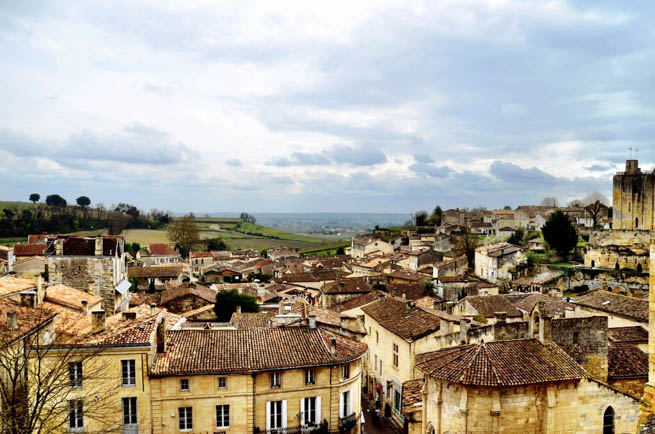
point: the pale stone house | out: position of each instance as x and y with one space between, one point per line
367 245
496 261
158 253
487 306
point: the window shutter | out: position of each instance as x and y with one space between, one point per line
302 411
284 413
341 405
268 415
350 403
318 409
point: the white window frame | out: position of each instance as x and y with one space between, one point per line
276 414
188 385
75 415
132 411
310 376
224 416
185 416
345 404
396 358
224 379
306 412
128 372
75 375
276 380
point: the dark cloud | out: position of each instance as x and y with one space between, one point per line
431 170
423 158
310 159
512 173
600 167
359 156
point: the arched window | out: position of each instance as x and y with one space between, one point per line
616 267
636 222
593 264
640 268
608 421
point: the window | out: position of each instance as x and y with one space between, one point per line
75 374
275 380
184 384
309 376
186 418
275 414
345 404
380 368
310 410
376 363
222 382
75 414
222 416
346 371
395 355
396 400
608 421
129 411
377 337
576 337
128 372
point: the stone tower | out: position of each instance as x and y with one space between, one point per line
647 406
633 198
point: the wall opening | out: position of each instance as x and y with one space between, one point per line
608 421
640 268
616 267
636 222
593 264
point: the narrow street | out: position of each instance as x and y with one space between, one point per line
382 427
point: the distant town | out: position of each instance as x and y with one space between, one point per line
533 319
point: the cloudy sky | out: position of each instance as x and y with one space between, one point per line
339 106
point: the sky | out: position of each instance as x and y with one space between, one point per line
345 106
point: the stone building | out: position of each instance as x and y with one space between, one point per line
496 261
365 246
92 264
633 198
334 293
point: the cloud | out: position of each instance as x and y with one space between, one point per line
357 156
511 173
310 159
431 170
235 162
423 158
600 167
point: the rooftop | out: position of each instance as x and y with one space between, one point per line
626 361
488 305
70 297
154 272
162 249
628 307
410 323
11 285
634 334
353 285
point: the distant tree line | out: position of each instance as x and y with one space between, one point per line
56 216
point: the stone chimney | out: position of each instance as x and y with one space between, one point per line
129 316
90 290
404 296
153 309
98 321
444 327
312 321
161 337
98 249
59 247
12 320
333 347
501 317
85 307
40 290
239 309
28 298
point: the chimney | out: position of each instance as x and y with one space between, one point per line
153 309
85 307
404 296
59 247
312 321
305 309
98 321
239 309
500 317
333 347
128 316
12 321
161 337
464 325
98 250
40 290
28 298
90 286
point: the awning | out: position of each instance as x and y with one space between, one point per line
123 287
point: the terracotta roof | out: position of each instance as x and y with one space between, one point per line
406 275
249 320
552 306
70 297
162 249
355 302
85 246
497 250
317 276
193 255
38 238
258 349
634 334
209 295
153 272
488 305
501 364
27 319
323 316
412 399
364 241
202 313
410 323
29 249
626 361
630 307
411 291
141 297
353 285
11 285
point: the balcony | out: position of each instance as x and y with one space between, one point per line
304 429
347 423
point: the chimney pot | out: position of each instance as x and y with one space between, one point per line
12 320
333 347
85 307
239 309
404 295
153 309
312 321
98 321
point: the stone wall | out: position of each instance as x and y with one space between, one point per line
625 248
623 281
186 303
585 340
631 386
633 198
92 274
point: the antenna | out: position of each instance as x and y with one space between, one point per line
630 149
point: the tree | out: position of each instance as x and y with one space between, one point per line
576 203
227 302
263 253
595 197
36 384
594 210
517 237
559 233
420 218
184 232
55 200
215 244
466 243
341 251
83 202
507 208
34 197
437 213
248 218
549 201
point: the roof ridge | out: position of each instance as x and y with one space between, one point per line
494 370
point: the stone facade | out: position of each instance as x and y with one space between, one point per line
618 249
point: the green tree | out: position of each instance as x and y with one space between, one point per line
559 233
34 197
420 218
263 253
227 302
517 237
215 244
341 251
436 215
184 233
55 200
83 202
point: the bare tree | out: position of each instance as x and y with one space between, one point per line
595 197
100 208
466 243
549 201
595 209
43 385
184 232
